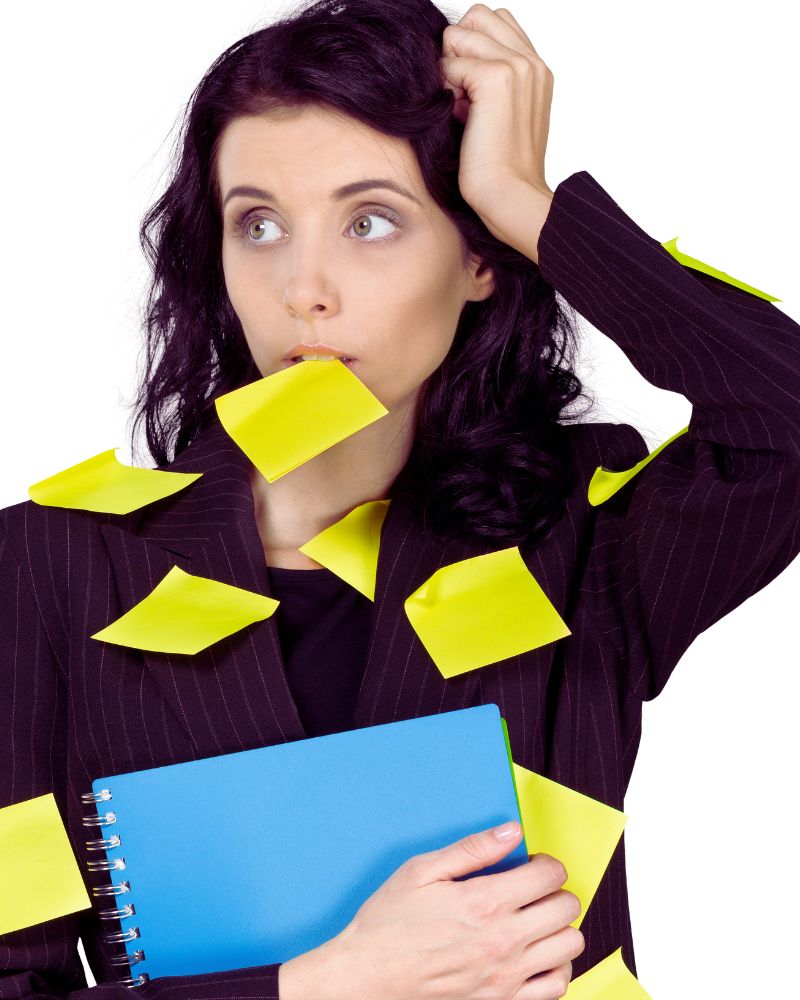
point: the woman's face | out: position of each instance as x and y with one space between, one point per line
375 274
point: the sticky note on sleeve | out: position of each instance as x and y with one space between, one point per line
101 483
39 875
671 246
610 979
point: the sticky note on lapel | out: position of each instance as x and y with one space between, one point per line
481 610
580 831
186 613
284 419
39 875
103 484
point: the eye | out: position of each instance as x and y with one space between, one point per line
379 213
251 227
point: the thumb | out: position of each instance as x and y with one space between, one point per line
471 853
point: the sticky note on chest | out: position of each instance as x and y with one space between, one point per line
481 610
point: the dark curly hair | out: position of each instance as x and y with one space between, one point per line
490 452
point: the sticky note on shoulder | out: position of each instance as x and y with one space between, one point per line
185 613
286 418
605 483
103 484
39 875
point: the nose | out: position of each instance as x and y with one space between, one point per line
308 295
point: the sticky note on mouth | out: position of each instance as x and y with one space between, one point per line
103 484
481 610
186 613
284 419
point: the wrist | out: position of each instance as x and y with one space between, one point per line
318 974
519 216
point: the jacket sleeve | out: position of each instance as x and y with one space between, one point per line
43 961
714 516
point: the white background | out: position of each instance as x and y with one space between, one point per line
684 114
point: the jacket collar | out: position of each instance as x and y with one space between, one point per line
209 529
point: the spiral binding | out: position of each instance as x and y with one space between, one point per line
113 864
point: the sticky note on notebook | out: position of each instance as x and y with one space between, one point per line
605 483
39 875
481 610
103 484
349 547
610 979
284 419
671 246
186 613
580 831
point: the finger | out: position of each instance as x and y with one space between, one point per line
547 915
510 20
546 985
467 75
552 952
459 39
517 887
497 26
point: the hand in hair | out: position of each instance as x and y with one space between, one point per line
503 92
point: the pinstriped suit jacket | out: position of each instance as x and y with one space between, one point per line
711 520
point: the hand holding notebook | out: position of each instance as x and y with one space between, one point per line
425 930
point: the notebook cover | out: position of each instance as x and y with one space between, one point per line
254 857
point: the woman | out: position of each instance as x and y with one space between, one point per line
451 315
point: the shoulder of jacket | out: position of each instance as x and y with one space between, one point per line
611 445
46 542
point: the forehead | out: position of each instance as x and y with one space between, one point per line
312 148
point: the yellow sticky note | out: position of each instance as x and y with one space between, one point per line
349 547
672 247
186 613
481 610
103 484
580 831
39 875
284 419
610 979
605 483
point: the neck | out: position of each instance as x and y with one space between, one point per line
310 498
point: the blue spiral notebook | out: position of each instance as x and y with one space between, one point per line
253 857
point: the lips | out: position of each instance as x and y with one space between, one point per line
298 349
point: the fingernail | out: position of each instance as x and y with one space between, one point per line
507 831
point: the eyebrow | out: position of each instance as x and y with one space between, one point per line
356 187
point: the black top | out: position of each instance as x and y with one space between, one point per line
323 626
